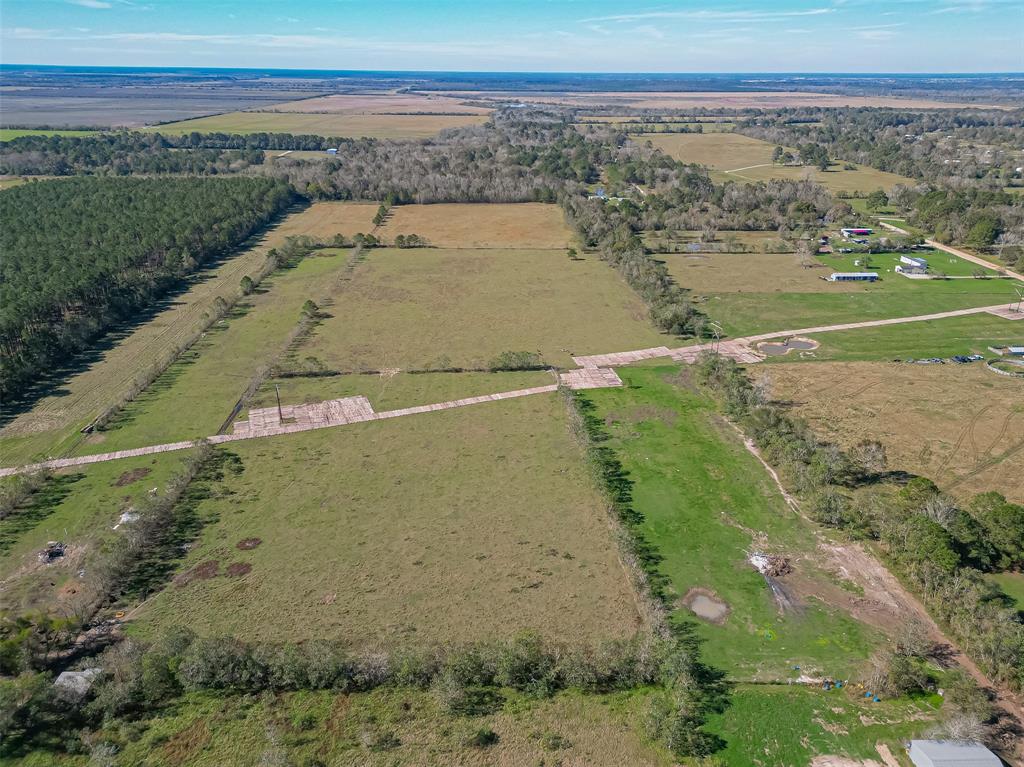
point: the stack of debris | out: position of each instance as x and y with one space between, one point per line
773 565
53 550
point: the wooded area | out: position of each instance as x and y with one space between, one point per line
83 254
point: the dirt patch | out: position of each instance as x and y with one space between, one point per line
186 744
200 572
238 569
133 475
247 544
842 761
705 604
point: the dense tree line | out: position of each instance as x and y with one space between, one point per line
109 247
120 154
942 546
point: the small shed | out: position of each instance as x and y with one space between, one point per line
915 262
951 753
856 231
1015 351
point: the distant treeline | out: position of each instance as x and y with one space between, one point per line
108 247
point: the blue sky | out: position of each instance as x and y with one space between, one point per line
523 35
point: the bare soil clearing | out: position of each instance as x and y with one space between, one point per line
956 424
383 126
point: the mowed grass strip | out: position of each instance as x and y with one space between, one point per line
388 126
963 427
454 525
54 420
429 307
706 504
494 225
195 396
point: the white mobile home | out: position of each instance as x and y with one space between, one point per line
951 753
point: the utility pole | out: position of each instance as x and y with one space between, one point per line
280 413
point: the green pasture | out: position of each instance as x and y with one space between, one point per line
196 394
78 507
454 525
776 725
972 334
704 499
439 308
1012 584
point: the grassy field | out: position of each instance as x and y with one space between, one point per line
52 425
9 134
939 263
745 313
79 508
963 427
791 725
456 525
390 392
441 308
391 126
1012 585
972 334
519 225
741 158
197 393
685 464
384 728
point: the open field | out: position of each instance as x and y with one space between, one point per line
386 728
863 179
766 725
748 313
959 425
459 525
391 126
380 104
79 508
103 376
915 340
684 461
513 225
8 134
939 263
400 390
439 308
741 158
710 99
749 273
197 393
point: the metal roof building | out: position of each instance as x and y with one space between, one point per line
951 753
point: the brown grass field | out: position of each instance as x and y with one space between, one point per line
383 103
456 525
742 158
726 241
390 126
713 99
750 273
960 425
456 225
431 307
85 394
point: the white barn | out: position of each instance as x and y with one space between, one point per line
951 753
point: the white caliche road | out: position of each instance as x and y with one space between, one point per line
595 371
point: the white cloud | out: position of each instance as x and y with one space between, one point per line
728 16
91 3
